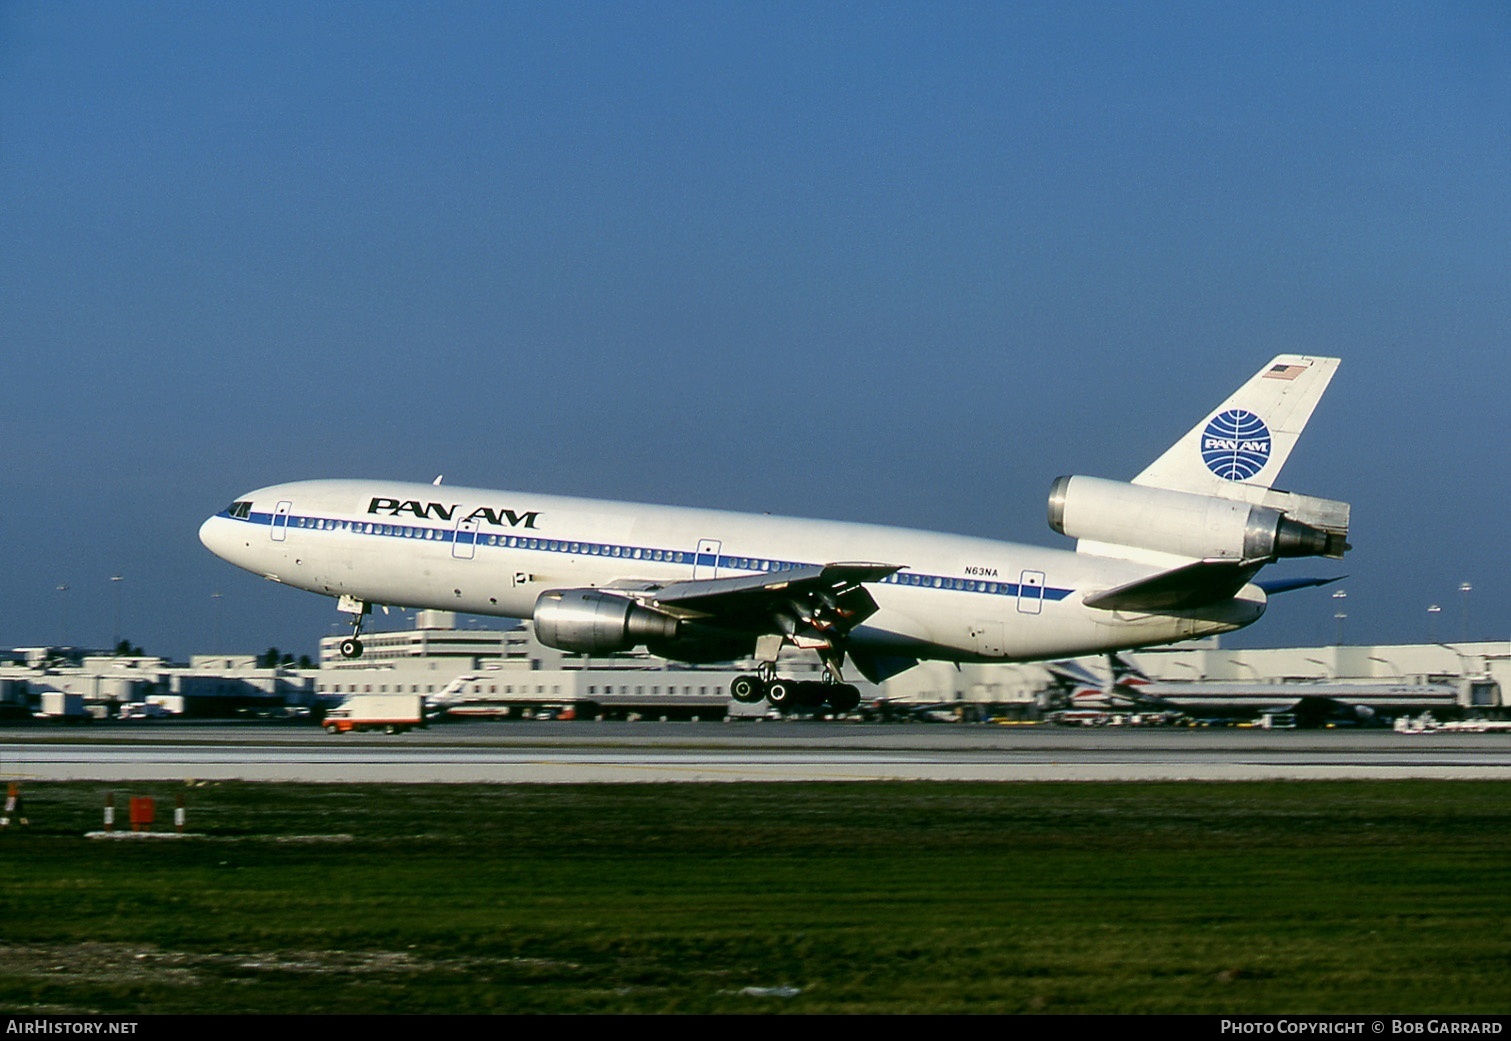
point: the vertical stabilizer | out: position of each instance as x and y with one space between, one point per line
1241 445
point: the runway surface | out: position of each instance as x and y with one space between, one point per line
582 752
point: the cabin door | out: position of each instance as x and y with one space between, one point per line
1031 592
464 545
706 563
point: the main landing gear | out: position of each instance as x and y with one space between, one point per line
784 694
832 690
351 647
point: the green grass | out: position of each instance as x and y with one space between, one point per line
874 898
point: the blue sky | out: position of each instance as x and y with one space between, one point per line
892 262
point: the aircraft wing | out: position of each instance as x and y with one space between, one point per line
830 598
1318 709
1188 586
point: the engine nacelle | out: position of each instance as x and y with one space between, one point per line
591 621
1204 527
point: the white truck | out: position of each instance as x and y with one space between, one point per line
390 713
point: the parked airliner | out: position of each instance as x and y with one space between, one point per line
1312 702
1169 556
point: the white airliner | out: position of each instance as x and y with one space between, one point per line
1167 557
1313 702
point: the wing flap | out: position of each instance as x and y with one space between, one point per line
709 593
819 596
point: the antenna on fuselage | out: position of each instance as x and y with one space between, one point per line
437 481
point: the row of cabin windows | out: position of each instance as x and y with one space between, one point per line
398 688
593 549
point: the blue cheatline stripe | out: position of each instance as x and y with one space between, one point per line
642 553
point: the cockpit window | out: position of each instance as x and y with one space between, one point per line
239 510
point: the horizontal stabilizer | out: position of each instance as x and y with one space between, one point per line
1272 586
1189 586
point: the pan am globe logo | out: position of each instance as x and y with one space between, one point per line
1235 445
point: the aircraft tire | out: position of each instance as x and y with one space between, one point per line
747 690
811 695
844 697
351 648
781 693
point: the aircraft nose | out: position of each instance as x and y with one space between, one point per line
213 534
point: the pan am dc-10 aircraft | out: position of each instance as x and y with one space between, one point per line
1169 556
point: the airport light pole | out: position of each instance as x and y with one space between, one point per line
1339 614
215 611
1466 589
1244 665
1433 610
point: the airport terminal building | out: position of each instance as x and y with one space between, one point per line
507 673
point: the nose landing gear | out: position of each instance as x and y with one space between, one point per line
351 647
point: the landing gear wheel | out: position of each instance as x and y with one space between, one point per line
351 647
747 690
781 693
811 695
844 697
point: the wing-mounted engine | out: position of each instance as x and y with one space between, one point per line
1254 525
591 621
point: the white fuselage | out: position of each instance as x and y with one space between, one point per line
955 598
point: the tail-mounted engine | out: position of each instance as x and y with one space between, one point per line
1206 527
590 621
